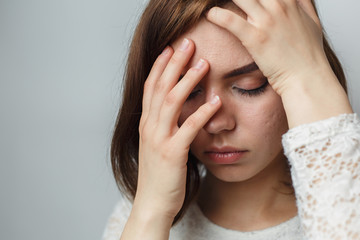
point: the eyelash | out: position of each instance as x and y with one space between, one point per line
244 92
252 92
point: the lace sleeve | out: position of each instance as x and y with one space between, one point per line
325 168
117 220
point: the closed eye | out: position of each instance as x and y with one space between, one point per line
252 92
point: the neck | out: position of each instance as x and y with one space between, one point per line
256 203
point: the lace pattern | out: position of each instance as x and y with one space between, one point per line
325 168
325 160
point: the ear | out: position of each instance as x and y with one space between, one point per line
308 7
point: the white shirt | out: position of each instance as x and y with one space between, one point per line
325 169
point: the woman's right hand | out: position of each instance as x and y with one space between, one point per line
164 146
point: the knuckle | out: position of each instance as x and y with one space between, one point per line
191 74
161 85
292 2
280 8
171 98
196 118
227 19
268 20
261 37
203 111
191 122
176 59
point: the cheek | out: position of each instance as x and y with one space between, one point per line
270 121
276 120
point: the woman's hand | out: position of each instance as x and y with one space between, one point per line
164 146
284 37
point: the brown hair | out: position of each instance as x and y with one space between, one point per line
162 22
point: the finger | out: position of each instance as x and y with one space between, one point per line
274 6
176 98
252 8
170 76
230 21
286 2
155 73
308 7
196 121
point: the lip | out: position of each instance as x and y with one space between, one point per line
225 155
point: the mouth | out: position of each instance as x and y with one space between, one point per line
225 155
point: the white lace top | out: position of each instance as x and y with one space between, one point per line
325 160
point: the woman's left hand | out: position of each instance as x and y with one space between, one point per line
284 37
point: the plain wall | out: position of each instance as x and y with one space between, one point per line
61 64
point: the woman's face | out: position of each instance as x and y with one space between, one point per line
244 136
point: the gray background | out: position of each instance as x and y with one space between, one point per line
60 69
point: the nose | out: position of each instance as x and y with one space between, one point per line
222 121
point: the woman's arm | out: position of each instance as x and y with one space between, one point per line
325 160
285 39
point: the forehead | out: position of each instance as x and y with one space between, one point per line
219 47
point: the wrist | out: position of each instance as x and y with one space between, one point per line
309 78
150 215
314 97
146 224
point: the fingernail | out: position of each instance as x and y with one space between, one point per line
215 99
184 44
165 51
200 64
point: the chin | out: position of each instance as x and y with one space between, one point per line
232 173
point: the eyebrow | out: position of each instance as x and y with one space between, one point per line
251 67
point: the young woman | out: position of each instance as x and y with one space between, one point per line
199 154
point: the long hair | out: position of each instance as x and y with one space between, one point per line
162 22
